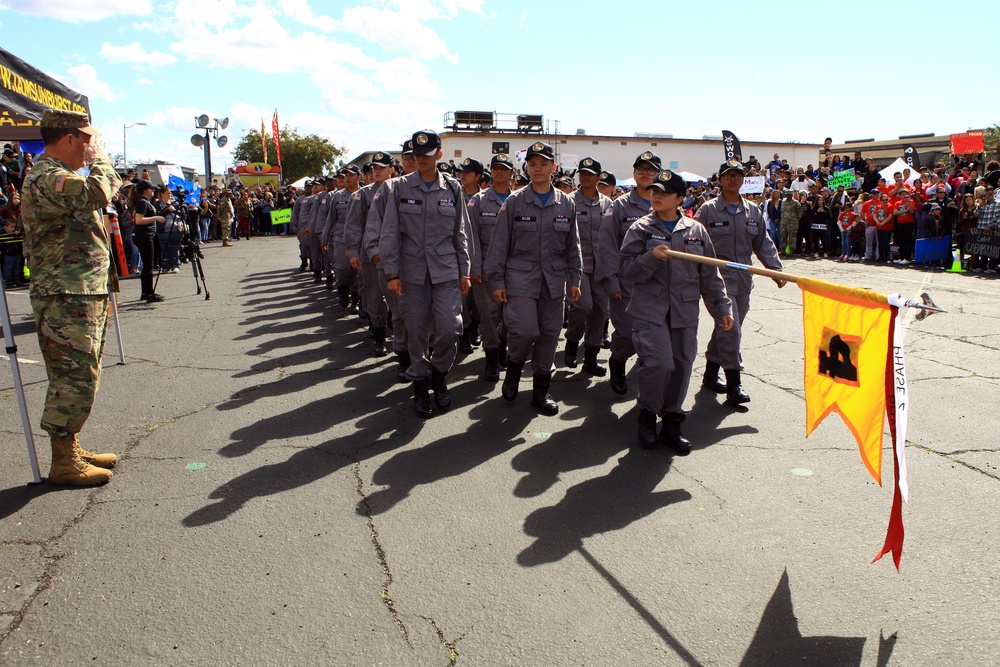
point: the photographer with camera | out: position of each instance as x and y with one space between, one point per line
169 230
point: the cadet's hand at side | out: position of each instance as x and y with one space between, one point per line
356 263
464 284
726 323
500 295
574 293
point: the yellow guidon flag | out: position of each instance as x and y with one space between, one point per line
846 351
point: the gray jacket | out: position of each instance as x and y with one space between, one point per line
425 232
617 219
737 237
357 217
671 289
588 219
533 243
484 208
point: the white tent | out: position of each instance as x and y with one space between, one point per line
627 183
690 177
899 165
299 184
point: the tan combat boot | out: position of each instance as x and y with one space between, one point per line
71 470
107 461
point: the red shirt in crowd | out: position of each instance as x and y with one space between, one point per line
903 211
846 220
868 211
883 217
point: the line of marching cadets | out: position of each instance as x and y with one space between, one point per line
441 261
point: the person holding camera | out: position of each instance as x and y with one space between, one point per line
170 231
146 219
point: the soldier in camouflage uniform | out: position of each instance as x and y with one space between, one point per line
69 254
226 216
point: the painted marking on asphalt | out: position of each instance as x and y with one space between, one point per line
543 436
196 466
802 472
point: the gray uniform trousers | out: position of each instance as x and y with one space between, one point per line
587 315
432 309
399 337
724 346
490 314
621 336
316 254
666 357
346 275
533 327
373 298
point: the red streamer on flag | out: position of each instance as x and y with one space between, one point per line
275 131
894 534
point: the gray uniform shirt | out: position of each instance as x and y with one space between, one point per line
304 218
533 243
737 237
373 226
333 230
589 216
617 219
357 217
670 291
484 208
321 211
425 232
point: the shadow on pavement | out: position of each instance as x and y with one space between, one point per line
14 499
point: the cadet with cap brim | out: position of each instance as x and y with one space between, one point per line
587 316
664 314
618 218
738 233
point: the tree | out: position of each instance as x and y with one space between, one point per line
309 155
991 142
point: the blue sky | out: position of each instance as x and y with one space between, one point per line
366 74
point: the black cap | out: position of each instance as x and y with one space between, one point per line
541 148
590 165
382 159
444 167
565 180
651 158
471 164
502 160
669 182
408 147
522 179
607 178
731 165
992 178
426 142
352 169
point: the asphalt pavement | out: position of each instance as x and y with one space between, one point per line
278 503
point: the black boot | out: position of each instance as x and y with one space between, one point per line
540 398
474 336
671 436
606 341
492 372
380 342
647 428
464 343
442 399
402 363
344 296
421 399
329 281
570 355
711 380
590 363
353 309
362 313
502 353
317 276
303 265
734 392
618 383
512 379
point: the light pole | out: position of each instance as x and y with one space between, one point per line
125 143
205 143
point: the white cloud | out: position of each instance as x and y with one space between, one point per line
143 81
135 54
395 30
75 11
178 119
300 11
83 79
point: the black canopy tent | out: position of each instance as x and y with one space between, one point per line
25 92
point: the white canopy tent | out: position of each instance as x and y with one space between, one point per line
899 165
690 177
299 184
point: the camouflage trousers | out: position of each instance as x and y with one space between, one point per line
227 227
71 332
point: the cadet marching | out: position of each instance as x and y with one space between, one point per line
507 258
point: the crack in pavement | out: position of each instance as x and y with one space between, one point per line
380 555
452 645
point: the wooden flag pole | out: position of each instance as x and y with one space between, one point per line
767 273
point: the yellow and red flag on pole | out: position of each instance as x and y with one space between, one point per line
854 366
275 133
263 139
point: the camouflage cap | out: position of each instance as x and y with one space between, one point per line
73 120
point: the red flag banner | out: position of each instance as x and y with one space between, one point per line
967 142
275 132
